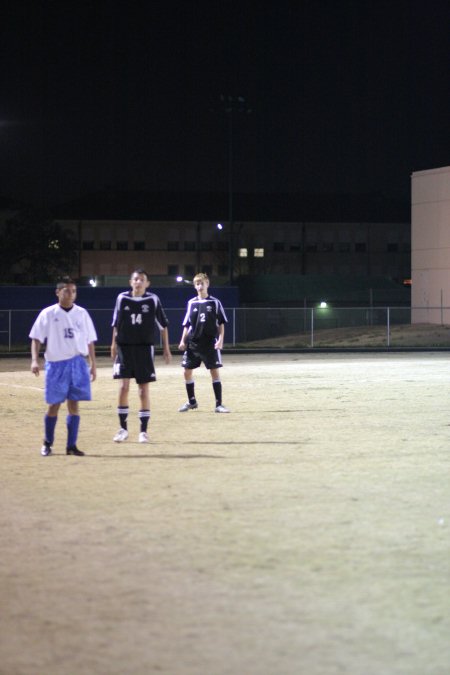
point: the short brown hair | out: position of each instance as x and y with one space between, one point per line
65 281
139 270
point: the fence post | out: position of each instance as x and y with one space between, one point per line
9 329
312 327
388 322
234 326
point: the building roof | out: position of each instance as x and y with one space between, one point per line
115 204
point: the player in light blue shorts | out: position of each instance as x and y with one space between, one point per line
69 334
67 380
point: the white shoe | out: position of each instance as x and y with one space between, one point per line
143 437
222 409
121 436
188 406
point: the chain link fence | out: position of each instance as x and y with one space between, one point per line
276 328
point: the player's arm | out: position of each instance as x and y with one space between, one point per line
219 340
92 363
166 347
114 344
182 346
35 348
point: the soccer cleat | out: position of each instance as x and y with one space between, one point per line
73 450
121 435
46 449
221 409
188 406
143 437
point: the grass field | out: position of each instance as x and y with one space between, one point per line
306 533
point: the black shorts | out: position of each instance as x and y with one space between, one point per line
135 361
204 352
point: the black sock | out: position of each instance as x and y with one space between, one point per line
217 386
123 414
190 388
144 418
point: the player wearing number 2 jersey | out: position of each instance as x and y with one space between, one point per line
137 313
202 341
69 334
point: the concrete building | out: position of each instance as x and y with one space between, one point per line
430 246
272 234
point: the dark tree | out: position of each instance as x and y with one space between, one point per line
35 250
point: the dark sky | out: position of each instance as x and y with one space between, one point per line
346 95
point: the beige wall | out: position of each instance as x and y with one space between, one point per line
430 246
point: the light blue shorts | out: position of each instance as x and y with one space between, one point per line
67 380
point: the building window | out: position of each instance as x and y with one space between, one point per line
278 246
206 245
360 247
311 248
88 245
189 271
344 247
295 248
223 270
139 245
207 269
173 245
243 253
122 246
223 245
105 245
258 252
189 245
172 270
392 248
327 246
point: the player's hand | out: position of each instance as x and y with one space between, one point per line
218 343
168 356
182 346
113 351
35 368
93 372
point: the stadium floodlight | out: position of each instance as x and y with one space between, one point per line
323 305
93 282
219 226
181 280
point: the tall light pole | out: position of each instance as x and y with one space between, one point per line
231 105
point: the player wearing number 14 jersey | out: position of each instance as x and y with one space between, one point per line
137 313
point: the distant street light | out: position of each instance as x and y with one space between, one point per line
181 280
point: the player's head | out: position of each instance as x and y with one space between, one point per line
139 281
66 291
140 271
201 276
201 283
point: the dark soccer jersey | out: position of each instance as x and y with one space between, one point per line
135 318
203 316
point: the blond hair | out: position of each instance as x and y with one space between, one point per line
201 276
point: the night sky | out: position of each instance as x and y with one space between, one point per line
344 96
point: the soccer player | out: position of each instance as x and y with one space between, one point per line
202 340
70 335
136 314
